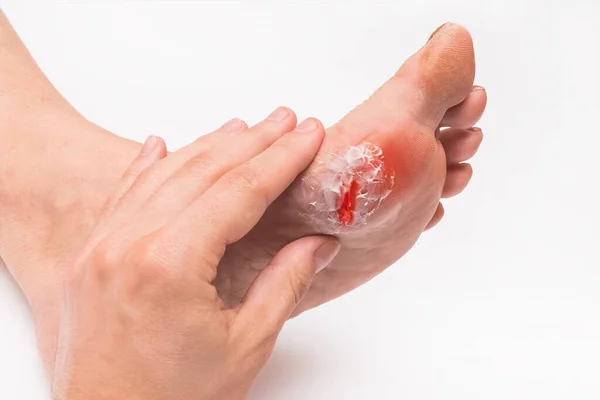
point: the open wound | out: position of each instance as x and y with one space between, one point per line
345 189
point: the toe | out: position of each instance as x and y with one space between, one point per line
435 79
457 179
400 119
467 113
437 217
441 74
460 144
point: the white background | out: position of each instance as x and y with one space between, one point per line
500 301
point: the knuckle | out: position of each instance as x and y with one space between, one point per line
148 263
103 262
247 179
202 163
286 151
299 283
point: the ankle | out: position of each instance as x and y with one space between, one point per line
55 175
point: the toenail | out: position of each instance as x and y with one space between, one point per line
308 125
438 30
279 115
478 88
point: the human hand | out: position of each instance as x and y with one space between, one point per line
142 318
58 169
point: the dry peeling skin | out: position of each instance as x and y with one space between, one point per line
346 189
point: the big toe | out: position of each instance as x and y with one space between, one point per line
436 78
440 75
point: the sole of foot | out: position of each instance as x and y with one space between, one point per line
378 179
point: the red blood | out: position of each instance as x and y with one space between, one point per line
348 205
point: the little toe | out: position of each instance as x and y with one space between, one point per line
467 113
460 144
457 179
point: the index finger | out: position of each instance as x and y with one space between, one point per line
236 202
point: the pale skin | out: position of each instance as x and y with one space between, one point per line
142 318
62 168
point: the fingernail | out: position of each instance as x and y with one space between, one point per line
475 129
325 254
148 146
308 125
477 88
438 30
232 126
279 115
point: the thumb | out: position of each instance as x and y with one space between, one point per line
279 288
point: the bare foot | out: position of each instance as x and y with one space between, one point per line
56 170
379 176
396 127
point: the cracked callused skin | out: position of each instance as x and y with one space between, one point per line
401 118
347 188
